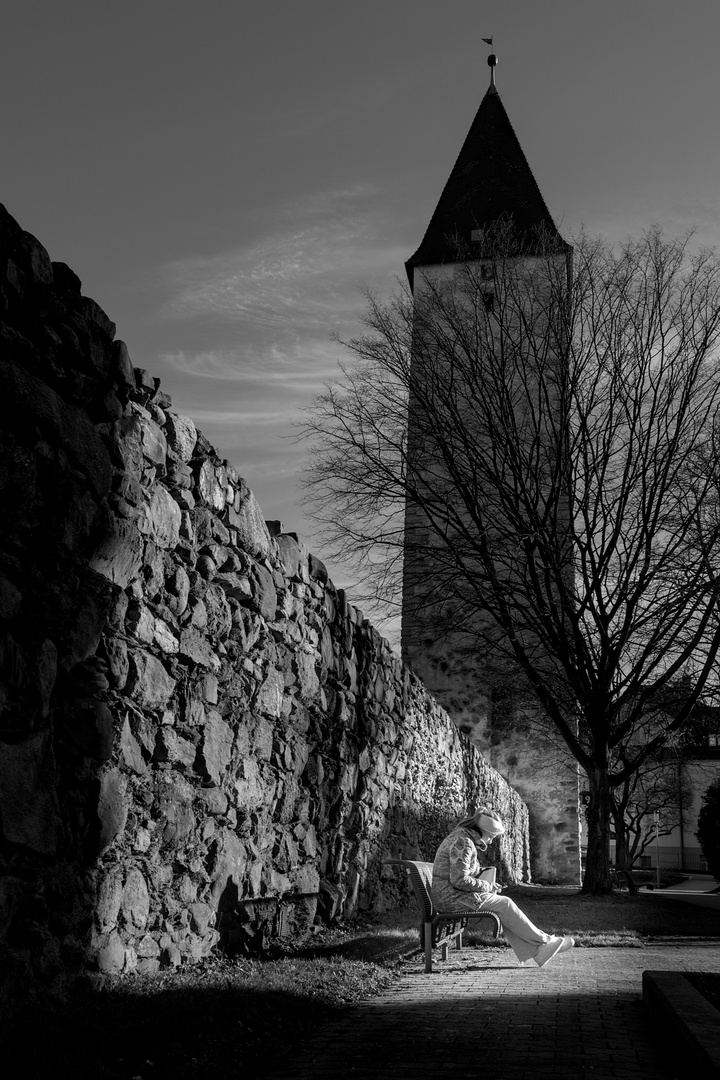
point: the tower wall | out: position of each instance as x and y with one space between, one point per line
474 683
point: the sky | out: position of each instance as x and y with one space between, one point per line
226 178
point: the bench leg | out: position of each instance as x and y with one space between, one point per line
428 946
458 940
443 950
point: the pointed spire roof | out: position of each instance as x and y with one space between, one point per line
490 185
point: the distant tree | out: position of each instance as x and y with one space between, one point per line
560 482
708 830
659 787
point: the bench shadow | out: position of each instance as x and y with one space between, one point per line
381 945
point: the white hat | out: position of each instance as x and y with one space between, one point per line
486 821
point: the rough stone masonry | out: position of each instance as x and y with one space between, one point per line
201 739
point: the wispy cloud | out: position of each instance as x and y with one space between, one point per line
304 274
301 364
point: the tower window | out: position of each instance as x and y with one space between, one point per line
489 301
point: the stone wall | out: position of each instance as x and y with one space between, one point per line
201 739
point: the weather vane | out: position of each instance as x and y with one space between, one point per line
492 60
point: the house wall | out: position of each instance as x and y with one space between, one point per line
679 849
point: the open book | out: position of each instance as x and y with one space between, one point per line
488 874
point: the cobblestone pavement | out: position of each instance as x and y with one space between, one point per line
479 1014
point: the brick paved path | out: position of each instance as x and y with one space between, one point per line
480 1015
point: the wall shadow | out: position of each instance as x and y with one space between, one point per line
168 1034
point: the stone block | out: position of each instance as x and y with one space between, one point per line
29 808
111 956
160 517
109 897
306 879
10 599
317 570
269 697
264 593
292 557
219 615
252 532
173 748
153 442
228 869
178 586
214 800
202 916
234 585
181 435
92 311
210 689
135 900
148 681
216 746
140 622
306 668
250 791
130 750
127 444
148 947
164 638
37 260
122 365
187 890
195 647
119 554
170 956
212 484
112 808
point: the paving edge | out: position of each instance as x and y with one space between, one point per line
690 1023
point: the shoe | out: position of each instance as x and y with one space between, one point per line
551 948
568 943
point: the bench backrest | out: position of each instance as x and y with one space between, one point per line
420 874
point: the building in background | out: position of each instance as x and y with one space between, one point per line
491 190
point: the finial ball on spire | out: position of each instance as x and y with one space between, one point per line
492 60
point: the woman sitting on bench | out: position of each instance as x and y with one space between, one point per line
457 885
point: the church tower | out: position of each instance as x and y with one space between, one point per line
491 193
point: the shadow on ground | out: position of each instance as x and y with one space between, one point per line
106 1035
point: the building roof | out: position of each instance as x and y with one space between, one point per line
491 188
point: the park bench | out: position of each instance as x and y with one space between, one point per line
438 928
632 880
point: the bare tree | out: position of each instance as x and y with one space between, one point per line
556 488
658 787
654 800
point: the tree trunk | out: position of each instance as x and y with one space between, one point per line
596 881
